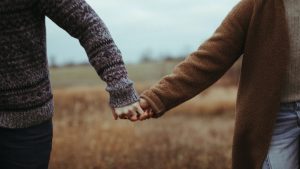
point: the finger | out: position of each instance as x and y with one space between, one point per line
139 110
129 114
123 116
145 115
114 114
135 116
151 114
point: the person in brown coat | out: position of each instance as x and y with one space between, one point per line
266 34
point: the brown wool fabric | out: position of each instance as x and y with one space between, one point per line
256 29
25 92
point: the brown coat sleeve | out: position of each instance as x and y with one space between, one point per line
205 66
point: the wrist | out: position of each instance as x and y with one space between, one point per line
122 94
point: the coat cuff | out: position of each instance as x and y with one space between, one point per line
155 102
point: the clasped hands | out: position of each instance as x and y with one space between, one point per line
137 111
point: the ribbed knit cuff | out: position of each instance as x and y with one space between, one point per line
122 94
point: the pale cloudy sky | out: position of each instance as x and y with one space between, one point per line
159 27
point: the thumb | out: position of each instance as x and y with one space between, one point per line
144 104
114 113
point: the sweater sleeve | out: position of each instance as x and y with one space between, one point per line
206 65
81 22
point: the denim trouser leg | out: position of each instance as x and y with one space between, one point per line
27 148
284 148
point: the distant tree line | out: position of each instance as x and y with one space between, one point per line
144 59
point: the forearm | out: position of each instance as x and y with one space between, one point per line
205 66
188 79
82 22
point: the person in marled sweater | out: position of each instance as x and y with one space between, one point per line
267 128
26 101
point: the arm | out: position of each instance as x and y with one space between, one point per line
205 66
81 22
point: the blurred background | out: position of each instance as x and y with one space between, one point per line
154 36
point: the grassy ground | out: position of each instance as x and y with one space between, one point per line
188 137
86 76
194 135
143 73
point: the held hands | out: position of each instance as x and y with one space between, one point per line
148 110
134 112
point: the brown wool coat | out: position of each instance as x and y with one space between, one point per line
256 29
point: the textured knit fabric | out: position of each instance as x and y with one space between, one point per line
256 29
25 91
291 90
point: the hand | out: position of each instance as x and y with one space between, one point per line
147 108
131 112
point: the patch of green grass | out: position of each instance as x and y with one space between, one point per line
87 76
74 76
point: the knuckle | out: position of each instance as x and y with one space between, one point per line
117 112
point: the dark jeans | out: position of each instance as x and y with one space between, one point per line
27 148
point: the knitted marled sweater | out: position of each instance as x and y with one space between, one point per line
25 91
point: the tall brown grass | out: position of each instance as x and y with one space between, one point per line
195 135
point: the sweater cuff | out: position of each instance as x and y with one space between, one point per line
122 95
156 104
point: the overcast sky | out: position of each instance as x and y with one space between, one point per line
157 27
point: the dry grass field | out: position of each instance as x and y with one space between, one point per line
195 135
